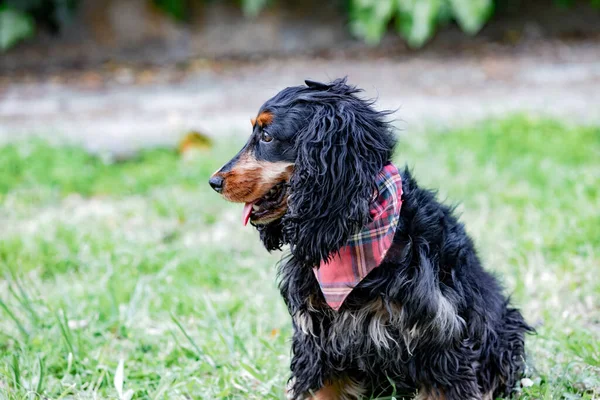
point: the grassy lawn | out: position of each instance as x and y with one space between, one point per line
134 279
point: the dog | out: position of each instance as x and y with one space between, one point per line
385 289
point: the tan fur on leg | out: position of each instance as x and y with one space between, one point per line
346 389
430 394
489 395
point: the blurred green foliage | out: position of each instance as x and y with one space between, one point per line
415 20
180 9
14 26
175 8
19 18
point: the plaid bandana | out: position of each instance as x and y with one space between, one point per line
365 249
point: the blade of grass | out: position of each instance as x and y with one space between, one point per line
28 304
65 331
225 329
186 351
99 381
227 340
69 390
15 319
162 388
24 302
16 371
40 384
118 379
200 353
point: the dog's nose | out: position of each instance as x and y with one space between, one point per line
216 182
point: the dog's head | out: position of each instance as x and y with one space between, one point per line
307 173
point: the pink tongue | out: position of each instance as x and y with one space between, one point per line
246 213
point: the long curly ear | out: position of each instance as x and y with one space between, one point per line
339 154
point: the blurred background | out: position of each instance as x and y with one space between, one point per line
121 73
123 276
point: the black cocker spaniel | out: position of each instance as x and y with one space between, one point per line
385 289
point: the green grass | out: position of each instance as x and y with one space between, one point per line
133 277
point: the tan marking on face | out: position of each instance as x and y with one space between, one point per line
265 118
250 179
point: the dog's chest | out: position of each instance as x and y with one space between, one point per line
371 328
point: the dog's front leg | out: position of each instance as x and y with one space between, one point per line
310 374
451 375
306 366
310 380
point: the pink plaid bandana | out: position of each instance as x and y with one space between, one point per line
365 249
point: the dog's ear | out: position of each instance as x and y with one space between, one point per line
339 154
316 85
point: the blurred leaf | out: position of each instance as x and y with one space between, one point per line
445 12
175 8
471 15
417 20
118 382
193 142
24 5
564 3
14 26
370 18
53 14
252 8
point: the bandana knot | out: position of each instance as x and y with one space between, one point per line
365 249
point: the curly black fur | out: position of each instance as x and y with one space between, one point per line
429 319
333 181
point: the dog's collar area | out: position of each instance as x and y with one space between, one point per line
366 249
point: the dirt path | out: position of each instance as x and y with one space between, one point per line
550 78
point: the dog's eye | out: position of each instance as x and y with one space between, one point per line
265 137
